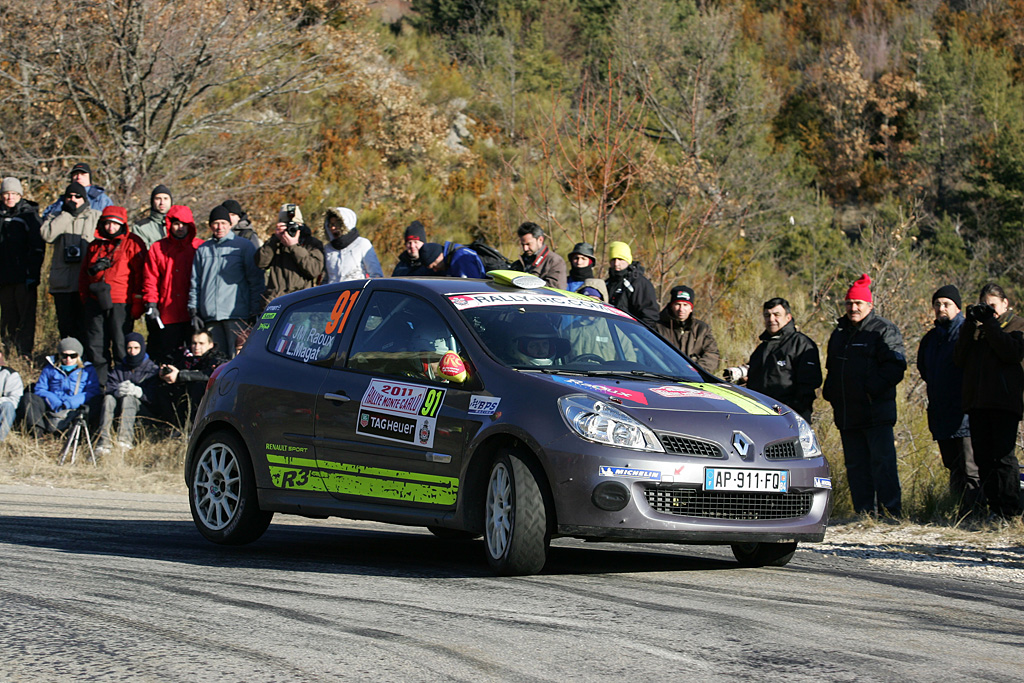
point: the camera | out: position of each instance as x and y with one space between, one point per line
100 265
980 312
165 371
72 253
291 227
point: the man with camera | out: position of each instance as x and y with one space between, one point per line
947 422
292 257
70 231
183 381
110 284
226 289
991 352
865 362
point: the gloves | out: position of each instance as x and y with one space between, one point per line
128 388
736 374
100 265
197 321
151 310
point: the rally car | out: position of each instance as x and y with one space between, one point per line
499 408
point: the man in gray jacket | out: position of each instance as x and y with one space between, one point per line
11 390
69 231
226 293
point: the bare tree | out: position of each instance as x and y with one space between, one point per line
124 83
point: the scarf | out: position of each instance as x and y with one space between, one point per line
343 241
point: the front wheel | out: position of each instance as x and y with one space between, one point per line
222 492
515 518
764 554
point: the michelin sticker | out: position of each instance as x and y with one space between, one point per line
401 412
606 471
483 405
465 301
822 483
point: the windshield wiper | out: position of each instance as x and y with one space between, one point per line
635 373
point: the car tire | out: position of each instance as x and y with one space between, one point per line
515 517
222 492
452 534
764 554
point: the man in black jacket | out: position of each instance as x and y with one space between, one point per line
785 365
409 261
865 362
129 391
21 257
184 381
628 289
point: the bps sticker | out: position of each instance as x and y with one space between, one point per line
402 412
679 391
483 405
629 473
822 483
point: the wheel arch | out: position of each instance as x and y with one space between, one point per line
475 483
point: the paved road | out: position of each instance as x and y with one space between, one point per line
113 586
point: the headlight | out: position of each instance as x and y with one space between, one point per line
808 441
602 422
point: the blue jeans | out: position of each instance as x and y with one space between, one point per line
7 410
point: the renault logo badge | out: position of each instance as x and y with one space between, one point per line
742 443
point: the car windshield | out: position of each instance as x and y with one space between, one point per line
574 339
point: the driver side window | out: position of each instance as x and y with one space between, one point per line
403 336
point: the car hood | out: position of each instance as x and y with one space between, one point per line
697 397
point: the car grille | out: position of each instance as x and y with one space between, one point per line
682 445
784 450
728 504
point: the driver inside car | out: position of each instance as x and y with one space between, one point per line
538 344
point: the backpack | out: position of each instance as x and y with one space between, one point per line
490 257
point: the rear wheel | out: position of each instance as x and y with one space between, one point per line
222 492
764 554
515 517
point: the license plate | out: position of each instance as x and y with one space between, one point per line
765 481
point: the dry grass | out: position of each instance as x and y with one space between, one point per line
153 466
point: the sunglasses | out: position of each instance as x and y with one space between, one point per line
69 355
75 196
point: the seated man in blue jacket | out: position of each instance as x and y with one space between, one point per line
129 390
67 388
452 259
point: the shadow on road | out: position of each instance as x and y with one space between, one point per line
332 550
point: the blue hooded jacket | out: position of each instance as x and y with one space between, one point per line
67 390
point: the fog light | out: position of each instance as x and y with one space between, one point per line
610 495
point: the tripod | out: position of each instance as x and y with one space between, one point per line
79 429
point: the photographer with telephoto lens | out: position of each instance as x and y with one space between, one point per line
293 258
991 352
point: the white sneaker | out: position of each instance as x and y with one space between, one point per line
103 449
125 445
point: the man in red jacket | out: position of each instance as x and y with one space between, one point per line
166 283
110 284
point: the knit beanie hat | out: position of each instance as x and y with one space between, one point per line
76 188
429 252
115 214
233 207
159 189
681 293
620 250
70 344
861 290
220 213
11 185
948 292
416 231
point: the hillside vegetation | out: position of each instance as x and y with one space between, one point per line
748 148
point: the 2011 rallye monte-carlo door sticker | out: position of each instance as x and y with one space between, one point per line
401 412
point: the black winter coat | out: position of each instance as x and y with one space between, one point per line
630 291
145 376
946 419
865 363
21 245
406 267
787 367
992 356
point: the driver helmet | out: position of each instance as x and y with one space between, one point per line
432 335
536 342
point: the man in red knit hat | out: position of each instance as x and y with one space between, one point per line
866 361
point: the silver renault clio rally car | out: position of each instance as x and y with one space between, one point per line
499 408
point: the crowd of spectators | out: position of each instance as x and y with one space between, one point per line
199 297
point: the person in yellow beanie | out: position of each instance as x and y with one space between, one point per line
628 289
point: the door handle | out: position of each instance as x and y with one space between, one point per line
337 397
